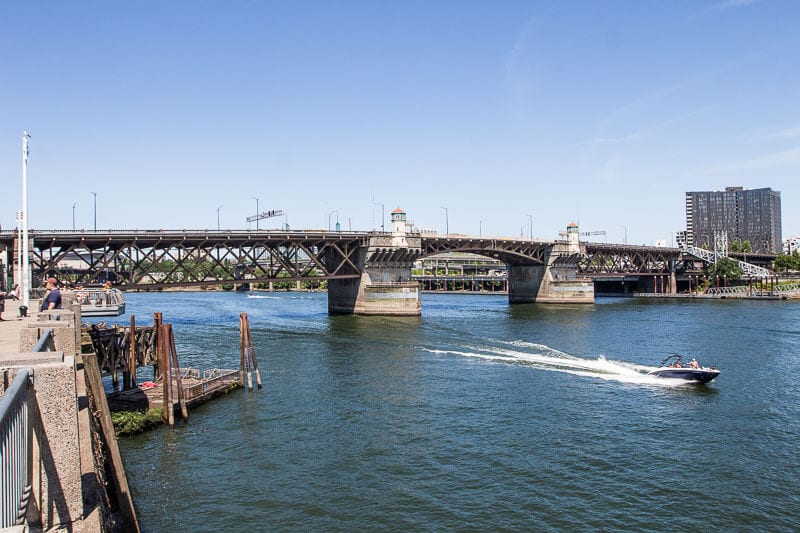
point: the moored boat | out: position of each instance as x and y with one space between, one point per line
100 301
672 367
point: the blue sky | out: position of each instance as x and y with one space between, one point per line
599 112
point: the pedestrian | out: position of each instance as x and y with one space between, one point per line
53 298
2 304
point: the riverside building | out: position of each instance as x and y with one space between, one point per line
742 214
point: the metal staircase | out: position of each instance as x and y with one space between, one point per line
712 257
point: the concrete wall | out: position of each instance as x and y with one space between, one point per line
56 473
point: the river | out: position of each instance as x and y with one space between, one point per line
478 416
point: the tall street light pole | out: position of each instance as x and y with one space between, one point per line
95 210
383 217
256 199
25 282
446 222
530 220
480 228
73 215
220 207
337 219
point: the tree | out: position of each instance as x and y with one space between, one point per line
724 267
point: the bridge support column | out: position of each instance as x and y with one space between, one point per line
554 282
364 296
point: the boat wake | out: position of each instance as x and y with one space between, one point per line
543 357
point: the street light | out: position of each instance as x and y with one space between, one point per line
446 222
480 228
73 215
256 199
95 210
383 216
220 207
530 219
337 219
626 234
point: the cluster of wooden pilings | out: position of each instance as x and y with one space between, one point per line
121 349
247 353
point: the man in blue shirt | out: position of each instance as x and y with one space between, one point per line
53 298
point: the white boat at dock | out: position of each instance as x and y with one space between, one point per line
100 301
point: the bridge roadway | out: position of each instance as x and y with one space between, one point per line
155 259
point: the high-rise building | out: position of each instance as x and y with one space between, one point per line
742 214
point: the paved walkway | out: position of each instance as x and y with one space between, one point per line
12 324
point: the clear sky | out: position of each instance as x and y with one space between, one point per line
599 112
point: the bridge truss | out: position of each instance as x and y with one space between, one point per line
627 259
158 259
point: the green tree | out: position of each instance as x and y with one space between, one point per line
724 267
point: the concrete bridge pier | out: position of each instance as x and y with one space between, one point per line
366 296
556 281
385 286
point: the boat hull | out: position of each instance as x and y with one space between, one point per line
699 375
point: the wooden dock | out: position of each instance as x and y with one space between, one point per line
198 388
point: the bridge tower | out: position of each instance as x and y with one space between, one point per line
557 281
385 286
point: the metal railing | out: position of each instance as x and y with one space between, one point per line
212 380
15 450
45 342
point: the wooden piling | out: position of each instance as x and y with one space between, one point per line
164 361
252 350
247 352
132 350
178 377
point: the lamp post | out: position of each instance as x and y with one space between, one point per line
626 234
480 228
220 207
446 222
530 220
95 210
337 219
256 199
383 216
73 215
25 282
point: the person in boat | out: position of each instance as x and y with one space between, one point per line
694 363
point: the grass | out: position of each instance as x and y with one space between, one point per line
127 423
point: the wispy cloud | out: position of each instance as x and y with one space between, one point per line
721 6
784 159
607 140
781 135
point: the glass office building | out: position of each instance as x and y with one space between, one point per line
742 214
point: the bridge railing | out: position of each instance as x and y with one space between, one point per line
15 450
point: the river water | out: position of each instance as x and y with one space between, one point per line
478 416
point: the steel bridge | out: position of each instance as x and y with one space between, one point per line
155 259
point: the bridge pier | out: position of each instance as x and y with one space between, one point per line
363 296
385 286
557 280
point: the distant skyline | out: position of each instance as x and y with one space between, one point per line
477 116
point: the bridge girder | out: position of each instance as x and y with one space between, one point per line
145 259
510 251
